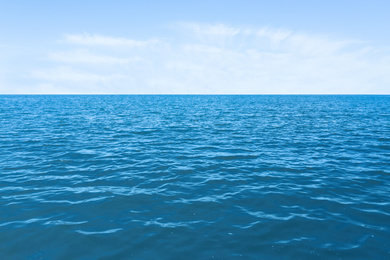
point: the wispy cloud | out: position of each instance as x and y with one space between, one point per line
83 56
218 58
220 30
100 40
69 74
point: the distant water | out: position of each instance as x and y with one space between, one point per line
195 177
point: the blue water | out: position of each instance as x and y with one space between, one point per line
195 177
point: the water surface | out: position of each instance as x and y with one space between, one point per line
194 177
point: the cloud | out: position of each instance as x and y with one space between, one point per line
214 34
82 56
69 74
264 39
216 59
99 40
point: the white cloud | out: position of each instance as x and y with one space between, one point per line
99 40
214 59
82 56
69 74
218 32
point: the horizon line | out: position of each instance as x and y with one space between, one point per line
171 94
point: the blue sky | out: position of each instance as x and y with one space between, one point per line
198 47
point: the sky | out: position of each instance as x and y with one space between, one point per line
194 47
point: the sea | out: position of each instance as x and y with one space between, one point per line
194 177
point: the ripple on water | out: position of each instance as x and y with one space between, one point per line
225 177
